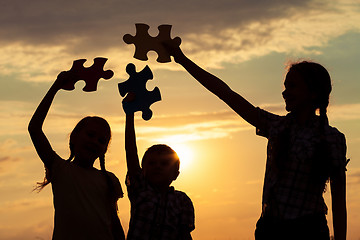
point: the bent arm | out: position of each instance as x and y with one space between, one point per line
38 137
338 199
215 85
132 159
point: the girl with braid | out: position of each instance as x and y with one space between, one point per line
85 198
304 152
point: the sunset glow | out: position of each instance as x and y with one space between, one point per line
245 43
185 154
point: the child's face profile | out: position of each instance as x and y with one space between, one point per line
91 142
297 95
160 168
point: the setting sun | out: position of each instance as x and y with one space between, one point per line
223 159
185 154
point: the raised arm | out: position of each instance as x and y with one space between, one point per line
39 139
338 199
215 85
132 159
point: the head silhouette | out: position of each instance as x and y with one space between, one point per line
160 165
317 80
88 141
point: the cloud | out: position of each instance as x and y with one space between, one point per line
185 128
336 112
11 154
345 112
353 176
39 231
84 22
11 147
4 158
22 205
38 39
222 124
17 114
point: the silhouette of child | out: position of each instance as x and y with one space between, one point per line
303 152
158 211
85 198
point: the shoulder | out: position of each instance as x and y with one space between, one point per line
58 163
337 146
333 130
266 115
267 121
113 177
61 170
116 183
180 194
334 136
187 210
183 198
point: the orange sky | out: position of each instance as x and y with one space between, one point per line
246 44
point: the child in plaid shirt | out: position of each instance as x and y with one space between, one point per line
304 152
158 211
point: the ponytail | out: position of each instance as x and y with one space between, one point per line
114 195
321 160
80 125
324 121
318 80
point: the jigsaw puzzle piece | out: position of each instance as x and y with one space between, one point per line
91 75
140 40
136 84
144 42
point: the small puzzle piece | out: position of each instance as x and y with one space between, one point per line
144 42
91 75
137 84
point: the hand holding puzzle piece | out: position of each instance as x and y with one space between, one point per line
144 42
91 75
136 84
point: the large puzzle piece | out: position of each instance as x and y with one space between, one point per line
91 75
144 42
136 84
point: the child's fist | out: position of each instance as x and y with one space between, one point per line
63 78
173 49
130 97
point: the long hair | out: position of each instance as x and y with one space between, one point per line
318 81
79 126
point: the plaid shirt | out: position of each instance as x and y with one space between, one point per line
295 193
157 216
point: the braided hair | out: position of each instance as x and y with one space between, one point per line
79 126
318 81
